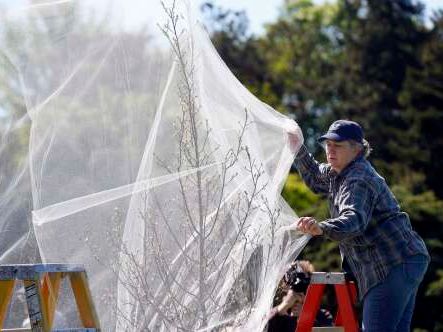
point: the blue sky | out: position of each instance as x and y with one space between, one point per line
262 11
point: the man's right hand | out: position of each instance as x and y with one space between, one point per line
294 142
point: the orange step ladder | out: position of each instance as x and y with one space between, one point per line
42 285
346 293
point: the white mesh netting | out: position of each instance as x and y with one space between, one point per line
142 157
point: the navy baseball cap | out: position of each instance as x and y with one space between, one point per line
343 130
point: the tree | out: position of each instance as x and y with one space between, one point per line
301 50
382 41
423 103
186 258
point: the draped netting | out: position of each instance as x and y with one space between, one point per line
142 157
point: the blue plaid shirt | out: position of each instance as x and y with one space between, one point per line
373 233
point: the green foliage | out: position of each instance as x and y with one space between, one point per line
436 287
300 50
422 99
421 206
302 199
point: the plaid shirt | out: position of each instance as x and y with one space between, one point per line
373 233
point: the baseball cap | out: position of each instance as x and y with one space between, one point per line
343 130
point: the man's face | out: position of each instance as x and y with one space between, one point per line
340 154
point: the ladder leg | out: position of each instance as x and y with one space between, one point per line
346 314
6 290
50 293
353 292
310 308
36 308
83 299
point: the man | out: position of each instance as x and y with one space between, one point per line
376 241
289 299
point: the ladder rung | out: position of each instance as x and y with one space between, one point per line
328 278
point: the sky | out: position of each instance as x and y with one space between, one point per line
259 12
264 11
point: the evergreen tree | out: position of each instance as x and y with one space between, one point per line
382 42
422 99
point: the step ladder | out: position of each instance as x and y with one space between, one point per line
42 285
346 293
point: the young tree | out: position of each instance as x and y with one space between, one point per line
203 256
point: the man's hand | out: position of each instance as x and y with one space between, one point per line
309 225
294 141
287 302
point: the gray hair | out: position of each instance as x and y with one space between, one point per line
365 146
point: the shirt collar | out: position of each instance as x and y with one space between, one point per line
333 173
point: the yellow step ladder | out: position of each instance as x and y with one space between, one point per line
42 285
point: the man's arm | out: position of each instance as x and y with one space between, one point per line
314 174
356 205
